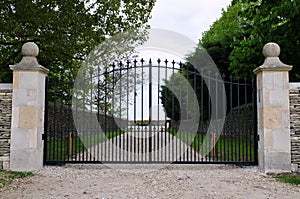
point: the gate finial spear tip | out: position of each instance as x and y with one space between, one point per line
30 49
271 49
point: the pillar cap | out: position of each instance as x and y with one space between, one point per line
271 51
29 61
30 49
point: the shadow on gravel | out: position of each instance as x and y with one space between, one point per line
152 167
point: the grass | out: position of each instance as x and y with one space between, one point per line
6 177
293 178
227 148
59 150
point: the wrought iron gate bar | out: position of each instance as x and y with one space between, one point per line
139 107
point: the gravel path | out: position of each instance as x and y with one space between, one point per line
173 181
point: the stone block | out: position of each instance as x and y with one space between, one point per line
19 138
281 140
15 119
26 159
294 167
28 80
16 80
33 137
286 85
268 80
19 97
267 139
25 138
279 83
6 165
277 99
41 115
32 97
261 160
40 100
28 117
277 162
286 119
260 118
272 118
41 82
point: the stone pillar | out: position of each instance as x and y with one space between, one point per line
274 147
28 107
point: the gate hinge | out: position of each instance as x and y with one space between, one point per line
257 137
43 136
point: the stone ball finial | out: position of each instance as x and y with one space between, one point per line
271 50
30 49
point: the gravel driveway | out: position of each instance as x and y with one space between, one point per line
172 181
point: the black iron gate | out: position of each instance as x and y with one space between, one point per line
141 112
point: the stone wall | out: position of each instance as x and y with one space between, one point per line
5 124
295 122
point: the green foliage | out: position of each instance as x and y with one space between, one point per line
235 41
267 21
217 40
168 98
59 149
177 96
290 178
99 80
227 27
6 177
65 31
227 148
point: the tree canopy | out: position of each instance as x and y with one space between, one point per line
266 21
235 41
65 31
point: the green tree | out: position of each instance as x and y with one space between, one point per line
65 31
266 21
168 98
177 94
107 73
217 40
235 41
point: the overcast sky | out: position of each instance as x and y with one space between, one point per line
188 17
